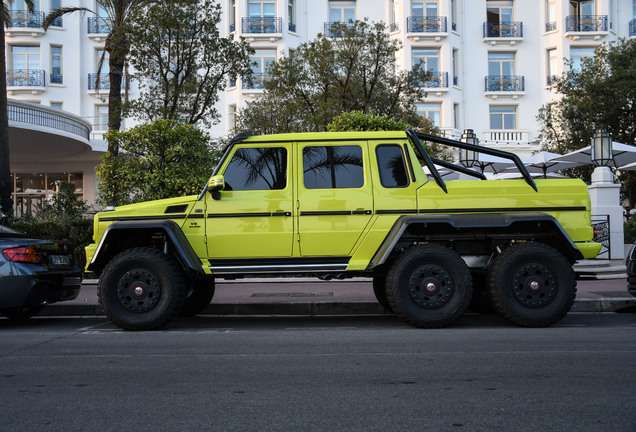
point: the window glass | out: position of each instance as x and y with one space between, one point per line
257 169
391 166
503 117
333 167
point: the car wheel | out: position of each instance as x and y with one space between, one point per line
141 289
23 312
379 289
531 285
429 286
198 297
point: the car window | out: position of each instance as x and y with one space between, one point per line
391 166
257 169
333 167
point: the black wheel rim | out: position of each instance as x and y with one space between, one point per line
431 286
138 290
534 285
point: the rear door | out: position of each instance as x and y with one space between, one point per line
335 196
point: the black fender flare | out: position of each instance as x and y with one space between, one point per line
468 221
179 241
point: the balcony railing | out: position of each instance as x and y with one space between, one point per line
393 27
104 81
505 83
552 79
416 24
22 112
26 78
25 19
98 25
258 82
437 80
55 78
261 25
335 28
292 27
550 26
503 29
586 23
632 28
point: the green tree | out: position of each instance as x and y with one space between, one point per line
601 94
353 69
158 160
116 45
5 169
181 61
64 205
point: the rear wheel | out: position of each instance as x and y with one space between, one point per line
141 289
379 289
429 286
198 297
531 285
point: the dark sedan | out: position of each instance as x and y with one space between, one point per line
630 262
34 273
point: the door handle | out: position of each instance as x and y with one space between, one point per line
281 213
362 212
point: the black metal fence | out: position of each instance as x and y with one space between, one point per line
601 225
46 119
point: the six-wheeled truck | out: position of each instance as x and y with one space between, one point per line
343 205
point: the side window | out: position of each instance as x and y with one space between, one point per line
257 169
333 167
391 165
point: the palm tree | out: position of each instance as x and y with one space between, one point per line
6 187
116 45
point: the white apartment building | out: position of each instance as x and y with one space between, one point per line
492 62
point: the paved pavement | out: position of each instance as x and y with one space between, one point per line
315 297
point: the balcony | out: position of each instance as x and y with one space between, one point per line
550 26
586 27
98 28
502 138
505 86
335 28
55 78
23 22
104 83
426 28
257 83
437 83
503 33
262 28
26 81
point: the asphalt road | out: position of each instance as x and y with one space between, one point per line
319 374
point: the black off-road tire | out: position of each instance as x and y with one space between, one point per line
429 286
531 285
22 313
379 289
141 289
198 297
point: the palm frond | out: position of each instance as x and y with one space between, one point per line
48 20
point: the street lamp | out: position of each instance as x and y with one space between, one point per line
469 158
602 148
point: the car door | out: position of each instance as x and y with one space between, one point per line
335 196
253 217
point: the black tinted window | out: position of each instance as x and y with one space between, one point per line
257 169
391 165
330 167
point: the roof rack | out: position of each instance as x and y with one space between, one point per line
431 162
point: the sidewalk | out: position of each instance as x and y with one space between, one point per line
315 297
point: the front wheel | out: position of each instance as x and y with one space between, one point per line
199 295
531 285
429 286
141 289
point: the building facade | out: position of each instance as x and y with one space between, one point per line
492 61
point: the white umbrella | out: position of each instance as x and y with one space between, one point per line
493 164
545 162
622 154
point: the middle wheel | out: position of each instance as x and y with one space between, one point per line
429 286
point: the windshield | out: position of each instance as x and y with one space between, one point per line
5 231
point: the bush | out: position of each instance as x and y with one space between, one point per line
629 231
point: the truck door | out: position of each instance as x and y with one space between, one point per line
253 217
335 196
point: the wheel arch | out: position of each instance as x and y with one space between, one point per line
488 229
127 234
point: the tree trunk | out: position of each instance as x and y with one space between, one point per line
116 63
6 187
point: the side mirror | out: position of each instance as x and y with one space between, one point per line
215 186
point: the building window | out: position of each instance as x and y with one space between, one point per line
233 117
423 9
56 65
455 67
232 16
25 67
456 122
101 118
553 63
501 72
550 18
503 117
577 55
499 20
56 105
582 17
262 17
428 59
291 15
431 111
333 167
261 62
395 14
30 190
342 12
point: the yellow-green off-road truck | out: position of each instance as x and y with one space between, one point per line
343 205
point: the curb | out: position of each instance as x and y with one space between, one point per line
326 308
